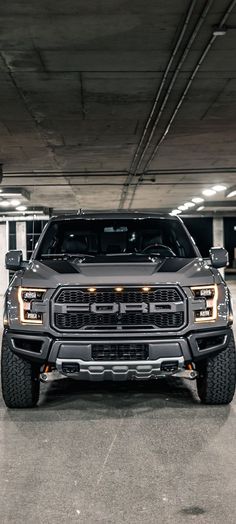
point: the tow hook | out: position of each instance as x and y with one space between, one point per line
188 373
44 376
49 373
192 374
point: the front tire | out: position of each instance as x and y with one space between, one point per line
217 376
20 380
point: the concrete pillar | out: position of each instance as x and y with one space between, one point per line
218 232
21 237
3 271
218 235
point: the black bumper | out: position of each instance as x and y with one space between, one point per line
193 346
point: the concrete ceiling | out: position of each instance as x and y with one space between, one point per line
78 81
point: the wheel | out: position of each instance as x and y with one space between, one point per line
20 380
217 376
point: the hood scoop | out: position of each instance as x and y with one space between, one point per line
62 266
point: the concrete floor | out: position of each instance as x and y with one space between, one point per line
138 453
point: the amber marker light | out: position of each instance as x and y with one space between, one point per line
92 289
119 289
146 289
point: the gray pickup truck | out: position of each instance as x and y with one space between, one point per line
117 296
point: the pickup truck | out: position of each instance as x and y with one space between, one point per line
117 296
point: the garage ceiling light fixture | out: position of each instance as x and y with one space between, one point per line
4 203
200 208
197 200
231 192
219 31
189 204
12 192
21 208
219 187
175 212
209 192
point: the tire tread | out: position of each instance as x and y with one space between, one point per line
20 380
217 377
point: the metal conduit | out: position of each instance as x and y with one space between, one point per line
163 81
201 19
183 96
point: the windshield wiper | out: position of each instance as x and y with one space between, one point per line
66 255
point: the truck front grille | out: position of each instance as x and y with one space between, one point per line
74 320
77 308
120 352
108 295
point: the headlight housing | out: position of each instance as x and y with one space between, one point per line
210 294
26 298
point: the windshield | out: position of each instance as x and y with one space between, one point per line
97 237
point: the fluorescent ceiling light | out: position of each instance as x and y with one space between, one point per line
219 187
15 202
219 31
12 192
197 200
231 192
182 208
21 208
189 204
200 208
208 192
175 211
4 203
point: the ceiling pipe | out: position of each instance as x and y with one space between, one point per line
183 96
200 21
163 81
151 172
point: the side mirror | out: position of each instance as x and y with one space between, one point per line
13 260
219 257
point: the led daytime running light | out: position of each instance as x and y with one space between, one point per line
23 302
211 302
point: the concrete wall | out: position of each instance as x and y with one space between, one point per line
21 237
3 271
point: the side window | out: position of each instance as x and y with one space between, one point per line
33 231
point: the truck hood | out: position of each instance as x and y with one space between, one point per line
54 273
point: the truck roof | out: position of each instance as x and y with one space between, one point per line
112 214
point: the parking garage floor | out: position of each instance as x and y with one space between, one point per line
136 453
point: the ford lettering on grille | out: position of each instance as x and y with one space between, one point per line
106 309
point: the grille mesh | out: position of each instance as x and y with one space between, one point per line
120 351
75 320
108 296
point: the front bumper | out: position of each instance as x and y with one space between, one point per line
125 370
166 355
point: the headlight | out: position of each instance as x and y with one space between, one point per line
26 297
210 294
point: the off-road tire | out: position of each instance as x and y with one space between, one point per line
20 380
217 376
